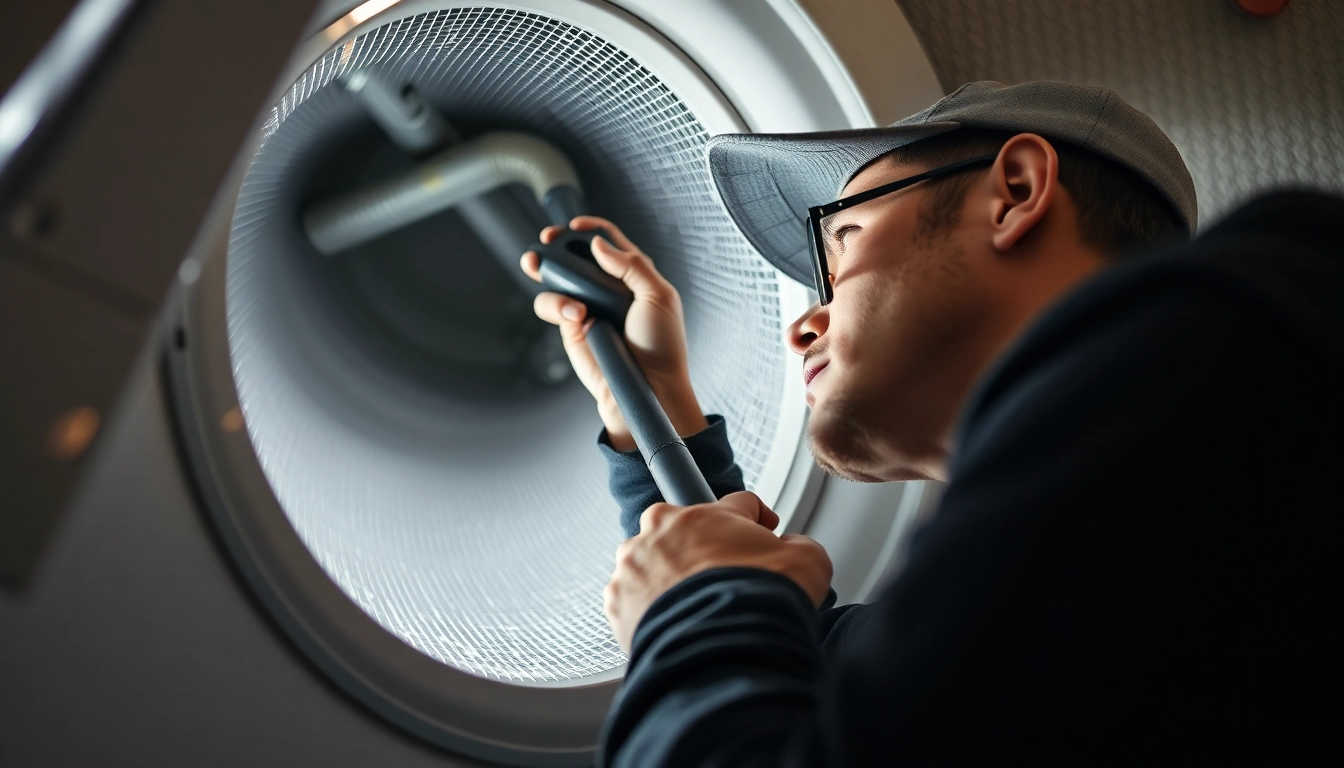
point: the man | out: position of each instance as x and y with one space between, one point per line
1137 556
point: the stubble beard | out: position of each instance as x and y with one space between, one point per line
841 443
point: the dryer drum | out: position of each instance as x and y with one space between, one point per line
457 500
399 466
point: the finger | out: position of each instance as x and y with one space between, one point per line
574 336
610 602
747 505
585 223
550 233
768 519
814 548
625 552
531 264
654 516
634 269
558 309
799 540
750 506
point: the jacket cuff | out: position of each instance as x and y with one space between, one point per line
632 484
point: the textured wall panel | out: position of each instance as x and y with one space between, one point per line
1251 103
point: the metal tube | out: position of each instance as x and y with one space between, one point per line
499 221
440 182
419 129
414 125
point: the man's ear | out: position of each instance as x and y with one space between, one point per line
1025 176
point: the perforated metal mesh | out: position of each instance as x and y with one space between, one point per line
480 531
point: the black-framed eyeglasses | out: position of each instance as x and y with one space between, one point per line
816 237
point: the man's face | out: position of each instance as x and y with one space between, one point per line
904 296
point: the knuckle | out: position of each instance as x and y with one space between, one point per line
570 341
823 559
815 548
642 262
656 515
809 546
572 337
691 516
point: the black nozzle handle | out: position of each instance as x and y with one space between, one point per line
568 268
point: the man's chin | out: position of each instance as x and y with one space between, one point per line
844 472
841 448
846 448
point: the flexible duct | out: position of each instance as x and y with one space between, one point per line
439 183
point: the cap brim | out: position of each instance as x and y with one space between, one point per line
768 181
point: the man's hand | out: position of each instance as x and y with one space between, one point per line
654 330
677 542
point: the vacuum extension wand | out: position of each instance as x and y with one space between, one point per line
568 268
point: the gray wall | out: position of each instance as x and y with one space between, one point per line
1251 103
134 645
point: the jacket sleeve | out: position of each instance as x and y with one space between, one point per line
633 487
632 484
1055 611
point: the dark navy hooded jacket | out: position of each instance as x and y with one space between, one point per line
1137 558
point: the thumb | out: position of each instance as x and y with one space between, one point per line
748 505
634 269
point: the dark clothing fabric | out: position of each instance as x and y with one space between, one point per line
632 484
1137 558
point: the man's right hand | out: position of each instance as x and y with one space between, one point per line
654 329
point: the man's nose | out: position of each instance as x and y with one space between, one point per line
809 327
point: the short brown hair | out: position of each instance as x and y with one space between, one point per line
1117 210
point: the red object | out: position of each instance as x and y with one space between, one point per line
1262 8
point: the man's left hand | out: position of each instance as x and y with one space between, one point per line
677 542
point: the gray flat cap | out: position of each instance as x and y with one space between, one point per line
768 181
